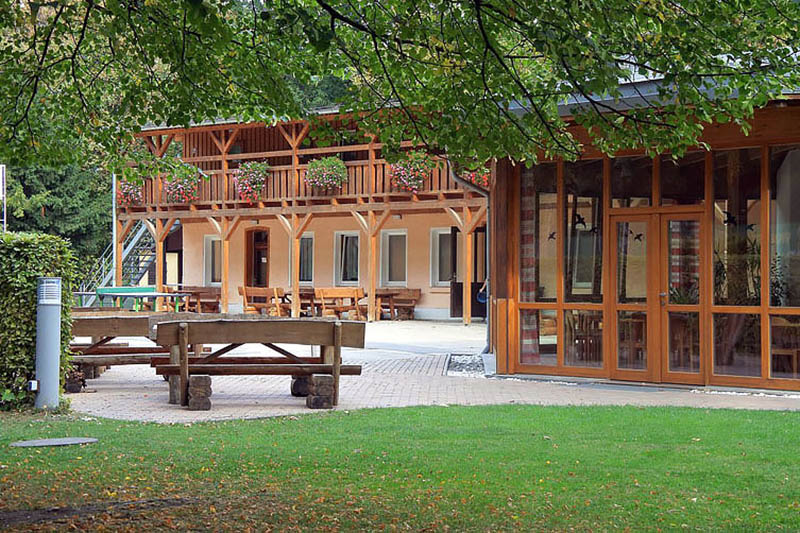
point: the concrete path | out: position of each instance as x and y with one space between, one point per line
404 364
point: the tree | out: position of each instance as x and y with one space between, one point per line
70 202
479 78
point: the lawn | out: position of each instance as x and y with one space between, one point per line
464 468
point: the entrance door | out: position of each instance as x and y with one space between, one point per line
679 299
257 274
655 327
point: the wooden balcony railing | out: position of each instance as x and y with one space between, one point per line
286 182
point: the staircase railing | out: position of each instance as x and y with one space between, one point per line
138 254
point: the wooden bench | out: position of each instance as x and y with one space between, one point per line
400 303
203 299
337 300
329 335
274 303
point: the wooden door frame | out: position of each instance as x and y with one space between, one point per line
698 378
249 252
652 371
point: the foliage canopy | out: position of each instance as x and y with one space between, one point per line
479 78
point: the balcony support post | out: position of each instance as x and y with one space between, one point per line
294 230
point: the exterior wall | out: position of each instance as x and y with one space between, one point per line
434 303
747 337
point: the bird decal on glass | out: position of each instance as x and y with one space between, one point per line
552 236
730 220
579 220
639 237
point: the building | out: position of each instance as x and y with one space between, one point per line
653 269
366 234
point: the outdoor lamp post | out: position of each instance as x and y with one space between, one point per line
48 343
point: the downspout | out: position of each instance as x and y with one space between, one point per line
485 193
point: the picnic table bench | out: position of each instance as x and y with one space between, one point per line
273 300
320 392
399 302
337 300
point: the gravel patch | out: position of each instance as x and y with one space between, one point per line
465 365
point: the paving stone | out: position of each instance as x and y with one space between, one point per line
404 366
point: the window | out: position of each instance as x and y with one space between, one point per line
441 257
583 222
306 259
631 181
346 258
539 228
737 227
212 260
393 257
784 175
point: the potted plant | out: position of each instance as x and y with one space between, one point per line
128 193
327 173
183 185
250 179
409 173
478 177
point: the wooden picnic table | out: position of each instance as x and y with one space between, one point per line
328 334
140 296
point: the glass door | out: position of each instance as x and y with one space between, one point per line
680 297
632 326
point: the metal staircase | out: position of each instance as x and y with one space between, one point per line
138 254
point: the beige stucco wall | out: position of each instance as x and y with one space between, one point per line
418 229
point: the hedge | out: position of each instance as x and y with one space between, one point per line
24 257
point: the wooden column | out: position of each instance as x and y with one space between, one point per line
466 298
161 232
159 262
294 141
466 223
295 229
224 146
122 233
371 226
225 228
226 265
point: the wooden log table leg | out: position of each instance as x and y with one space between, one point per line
183 346
174 381
337 360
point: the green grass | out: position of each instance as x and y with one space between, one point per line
466 468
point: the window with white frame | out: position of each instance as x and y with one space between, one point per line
345 258
393 258
441 257
306 259
212 260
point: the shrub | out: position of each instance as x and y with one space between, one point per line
128 193
409 173
250 179
326 173
24 257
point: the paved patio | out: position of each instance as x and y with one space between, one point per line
404 364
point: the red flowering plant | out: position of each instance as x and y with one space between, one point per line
182 186
128 193
250 179
477 177
327 173
410 172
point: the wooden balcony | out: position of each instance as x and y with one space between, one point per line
367 181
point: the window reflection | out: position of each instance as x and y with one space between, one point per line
583 332
583 221
631 181
785 226
737 235
538 229
737 344
683 179
785 348
539 337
